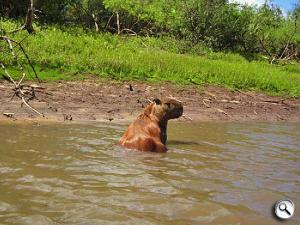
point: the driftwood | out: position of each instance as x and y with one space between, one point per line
8 114
24 92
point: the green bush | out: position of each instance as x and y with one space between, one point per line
71 54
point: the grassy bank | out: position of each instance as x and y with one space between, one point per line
61 55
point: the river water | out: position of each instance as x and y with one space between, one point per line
213 173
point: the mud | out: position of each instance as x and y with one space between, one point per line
113 101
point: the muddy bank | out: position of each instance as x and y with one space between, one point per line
111 101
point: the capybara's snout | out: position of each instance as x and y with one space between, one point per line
175 109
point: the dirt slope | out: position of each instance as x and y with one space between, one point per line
95 100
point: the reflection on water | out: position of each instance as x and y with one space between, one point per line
214 173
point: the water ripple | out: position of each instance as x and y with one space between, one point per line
212 174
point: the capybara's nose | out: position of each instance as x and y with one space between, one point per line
178 112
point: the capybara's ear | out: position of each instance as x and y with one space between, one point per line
157 101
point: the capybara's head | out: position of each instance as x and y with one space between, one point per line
166 109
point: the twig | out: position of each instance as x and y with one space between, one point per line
205 104
187 117
230 101
280 117
222 111
210 94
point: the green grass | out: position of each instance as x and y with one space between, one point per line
65 55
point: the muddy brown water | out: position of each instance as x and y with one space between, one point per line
214 173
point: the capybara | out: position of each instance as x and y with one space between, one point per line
148 132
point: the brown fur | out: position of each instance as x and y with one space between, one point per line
149 131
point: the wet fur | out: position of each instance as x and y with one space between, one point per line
149 131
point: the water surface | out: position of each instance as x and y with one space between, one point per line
214 173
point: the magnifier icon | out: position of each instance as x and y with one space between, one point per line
283 208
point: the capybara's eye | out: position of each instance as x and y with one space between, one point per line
157 101
168 104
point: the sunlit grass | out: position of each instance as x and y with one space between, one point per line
64 55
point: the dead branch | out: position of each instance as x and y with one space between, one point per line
272 58
288 42
33 109
8 77
285 49
28 20
17 61
267 102
95 21
9 40
8 114
118 22
288 52
210 94
187 117
133 33
229 101
280 117
19 92
205 104
108 22
222 111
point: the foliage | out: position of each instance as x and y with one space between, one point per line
72 53
217 24
184 42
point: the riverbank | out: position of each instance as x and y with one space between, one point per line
96 100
